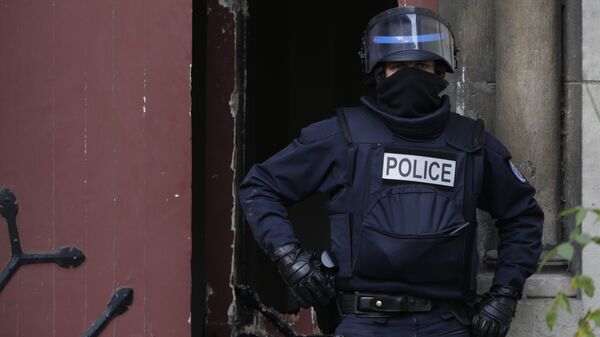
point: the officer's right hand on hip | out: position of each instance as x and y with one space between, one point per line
301 271
496 312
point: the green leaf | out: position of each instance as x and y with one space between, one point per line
584 283
580 216
583 325
570 211
563 301
566 250
551 315
574 234
595 316
596 239
585 330
581 238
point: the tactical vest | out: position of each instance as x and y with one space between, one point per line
406 221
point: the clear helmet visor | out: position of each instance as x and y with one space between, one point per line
396 35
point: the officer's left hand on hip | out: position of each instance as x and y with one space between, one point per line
496 313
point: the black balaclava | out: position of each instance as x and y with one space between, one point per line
410 92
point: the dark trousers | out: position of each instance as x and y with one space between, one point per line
435 323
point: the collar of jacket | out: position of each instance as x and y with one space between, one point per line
421 128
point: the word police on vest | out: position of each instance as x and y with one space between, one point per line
420 169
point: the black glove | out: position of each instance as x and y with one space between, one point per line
496 312
301 271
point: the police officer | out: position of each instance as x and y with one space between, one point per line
405 176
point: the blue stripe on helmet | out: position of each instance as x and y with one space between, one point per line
385 39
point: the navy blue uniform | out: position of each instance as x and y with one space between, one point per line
402 209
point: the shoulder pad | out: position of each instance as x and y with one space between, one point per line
361 126
493 144
465 133
319 130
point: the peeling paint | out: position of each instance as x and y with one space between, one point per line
234 105
231 311
235 6
85 113
292 319
190 87
257 327
485 87
145 89
460 91
315 324
209 293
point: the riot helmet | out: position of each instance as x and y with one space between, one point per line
408 34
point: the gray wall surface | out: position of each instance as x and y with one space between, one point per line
539 95
590 135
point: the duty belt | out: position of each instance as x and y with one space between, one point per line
379 305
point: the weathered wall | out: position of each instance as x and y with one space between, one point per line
482 41
95 135
472 86
528 97
571 117
590 136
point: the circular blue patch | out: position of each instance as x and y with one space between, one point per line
516 173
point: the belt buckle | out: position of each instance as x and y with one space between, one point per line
400 304
357 297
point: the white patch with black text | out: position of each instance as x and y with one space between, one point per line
419 169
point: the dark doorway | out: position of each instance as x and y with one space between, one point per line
302 62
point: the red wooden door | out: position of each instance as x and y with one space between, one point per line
95 141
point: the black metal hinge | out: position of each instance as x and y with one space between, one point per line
118 303
65 257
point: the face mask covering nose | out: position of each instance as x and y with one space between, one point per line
410 92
